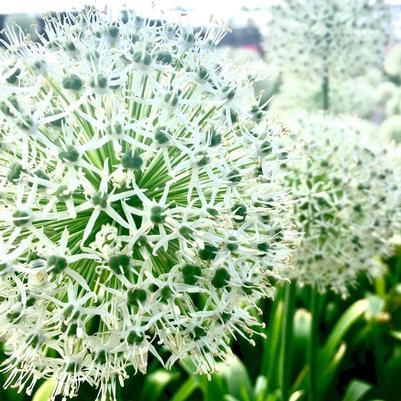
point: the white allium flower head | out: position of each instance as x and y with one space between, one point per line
141 209
347 201
328 38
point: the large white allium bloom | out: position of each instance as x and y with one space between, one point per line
330 38
347 201
141 210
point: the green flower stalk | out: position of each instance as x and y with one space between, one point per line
141 209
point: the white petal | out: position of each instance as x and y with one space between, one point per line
90 224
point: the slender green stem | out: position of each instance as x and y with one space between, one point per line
325 93
397 275
313 346
286 340
271 344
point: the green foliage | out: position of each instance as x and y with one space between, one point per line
44 392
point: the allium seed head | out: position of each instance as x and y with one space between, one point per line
141 210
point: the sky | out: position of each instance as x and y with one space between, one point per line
201 9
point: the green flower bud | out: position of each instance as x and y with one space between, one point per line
232 244
69 154
72 82
263 247
21 218
157 215
164 57
191 274
100 199
165 294
214 139
62 193
240 212
132 160
134 338
15 172
161 135
202 159
234 176
135 296
209 252
119 263
221 278
13 78
57 263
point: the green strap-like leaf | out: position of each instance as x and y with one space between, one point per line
349 317
356 390
238 381
186 390
155 384
329 371
44 392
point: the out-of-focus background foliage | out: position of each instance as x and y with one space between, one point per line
360 338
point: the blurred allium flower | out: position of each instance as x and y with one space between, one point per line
389 96
356 96
389 92
328 38
390 129
348 200
266 81
28 23
392 63
140 209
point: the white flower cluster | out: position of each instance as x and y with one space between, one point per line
347 201
327 38
141 210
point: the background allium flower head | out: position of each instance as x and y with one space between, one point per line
347 201
388 95
140 210
390 129
392 63
327 38
356 96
